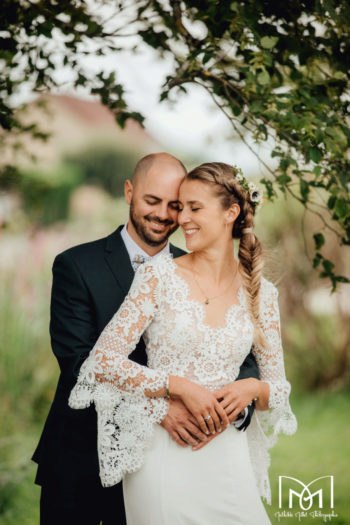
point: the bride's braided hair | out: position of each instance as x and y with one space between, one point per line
229 190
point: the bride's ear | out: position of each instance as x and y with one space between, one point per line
232 213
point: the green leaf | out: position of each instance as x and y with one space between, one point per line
327 265
315 154
316 260
257 107
268 42
304 189
319 240
341 207
263 78
342 279
283 179
207 57
339 75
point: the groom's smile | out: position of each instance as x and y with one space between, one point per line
153 198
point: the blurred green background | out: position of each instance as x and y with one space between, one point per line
77 197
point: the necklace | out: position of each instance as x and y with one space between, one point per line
207 299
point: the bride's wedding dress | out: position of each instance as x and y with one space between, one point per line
163 483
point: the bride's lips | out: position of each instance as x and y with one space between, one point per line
190 232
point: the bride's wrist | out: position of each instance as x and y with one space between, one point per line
256 388
176 386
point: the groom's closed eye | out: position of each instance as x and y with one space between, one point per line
174 206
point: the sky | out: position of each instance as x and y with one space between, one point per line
193 124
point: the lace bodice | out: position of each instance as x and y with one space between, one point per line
179 342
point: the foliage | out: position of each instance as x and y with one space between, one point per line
315 327
45 195
278 71
108 168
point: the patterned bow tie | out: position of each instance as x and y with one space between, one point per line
138 260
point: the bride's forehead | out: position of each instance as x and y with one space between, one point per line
193 190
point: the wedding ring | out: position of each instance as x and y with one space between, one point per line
206 418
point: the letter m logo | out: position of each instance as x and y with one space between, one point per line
304 494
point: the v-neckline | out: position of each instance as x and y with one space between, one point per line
198 304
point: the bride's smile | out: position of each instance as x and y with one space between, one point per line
201 216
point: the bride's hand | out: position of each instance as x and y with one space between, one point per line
201 403
235 396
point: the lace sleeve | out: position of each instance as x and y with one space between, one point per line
279 417
118 386
267 424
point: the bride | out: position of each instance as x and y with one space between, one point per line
199 316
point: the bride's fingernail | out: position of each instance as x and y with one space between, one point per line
219 429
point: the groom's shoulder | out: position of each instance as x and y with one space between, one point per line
176 251
86 250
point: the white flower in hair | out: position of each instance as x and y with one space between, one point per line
256 195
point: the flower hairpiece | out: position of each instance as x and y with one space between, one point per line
256 195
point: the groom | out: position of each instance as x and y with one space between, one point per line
90 282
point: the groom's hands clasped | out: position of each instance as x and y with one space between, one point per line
182 426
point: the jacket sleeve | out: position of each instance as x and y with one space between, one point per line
72 320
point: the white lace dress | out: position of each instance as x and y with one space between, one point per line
163 483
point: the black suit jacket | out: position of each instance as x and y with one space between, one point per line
90 282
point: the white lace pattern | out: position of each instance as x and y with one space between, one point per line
178 342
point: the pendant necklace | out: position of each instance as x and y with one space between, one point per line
207 299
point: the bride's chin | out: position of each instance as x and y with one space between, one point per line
193 246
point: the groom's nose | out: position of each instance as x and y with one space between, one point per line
162 212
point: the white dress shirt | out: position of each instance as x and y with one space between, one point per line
133 250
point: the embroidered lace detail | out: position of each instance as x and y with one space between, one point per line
117 385
178 342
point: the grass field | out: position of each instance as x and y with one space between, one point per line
320 447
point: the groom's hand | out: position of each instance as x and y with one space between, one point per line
182 426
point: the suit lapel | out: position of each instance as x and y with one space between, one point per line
118 260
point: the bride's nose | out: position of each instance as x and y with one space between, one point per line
183 217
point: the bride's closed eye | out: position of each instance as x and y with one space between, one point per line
192 209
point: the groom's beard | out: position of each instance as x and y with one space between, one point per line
143 227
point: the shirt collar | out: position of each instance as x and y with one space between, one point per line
134 249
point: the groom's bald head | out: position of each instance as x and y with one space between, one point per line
157 160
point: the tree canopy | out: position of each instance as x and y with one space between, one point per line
279 71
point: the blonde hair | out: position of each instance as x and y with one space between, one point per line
228 189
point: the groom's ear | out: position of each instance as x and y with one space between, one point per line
128 191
